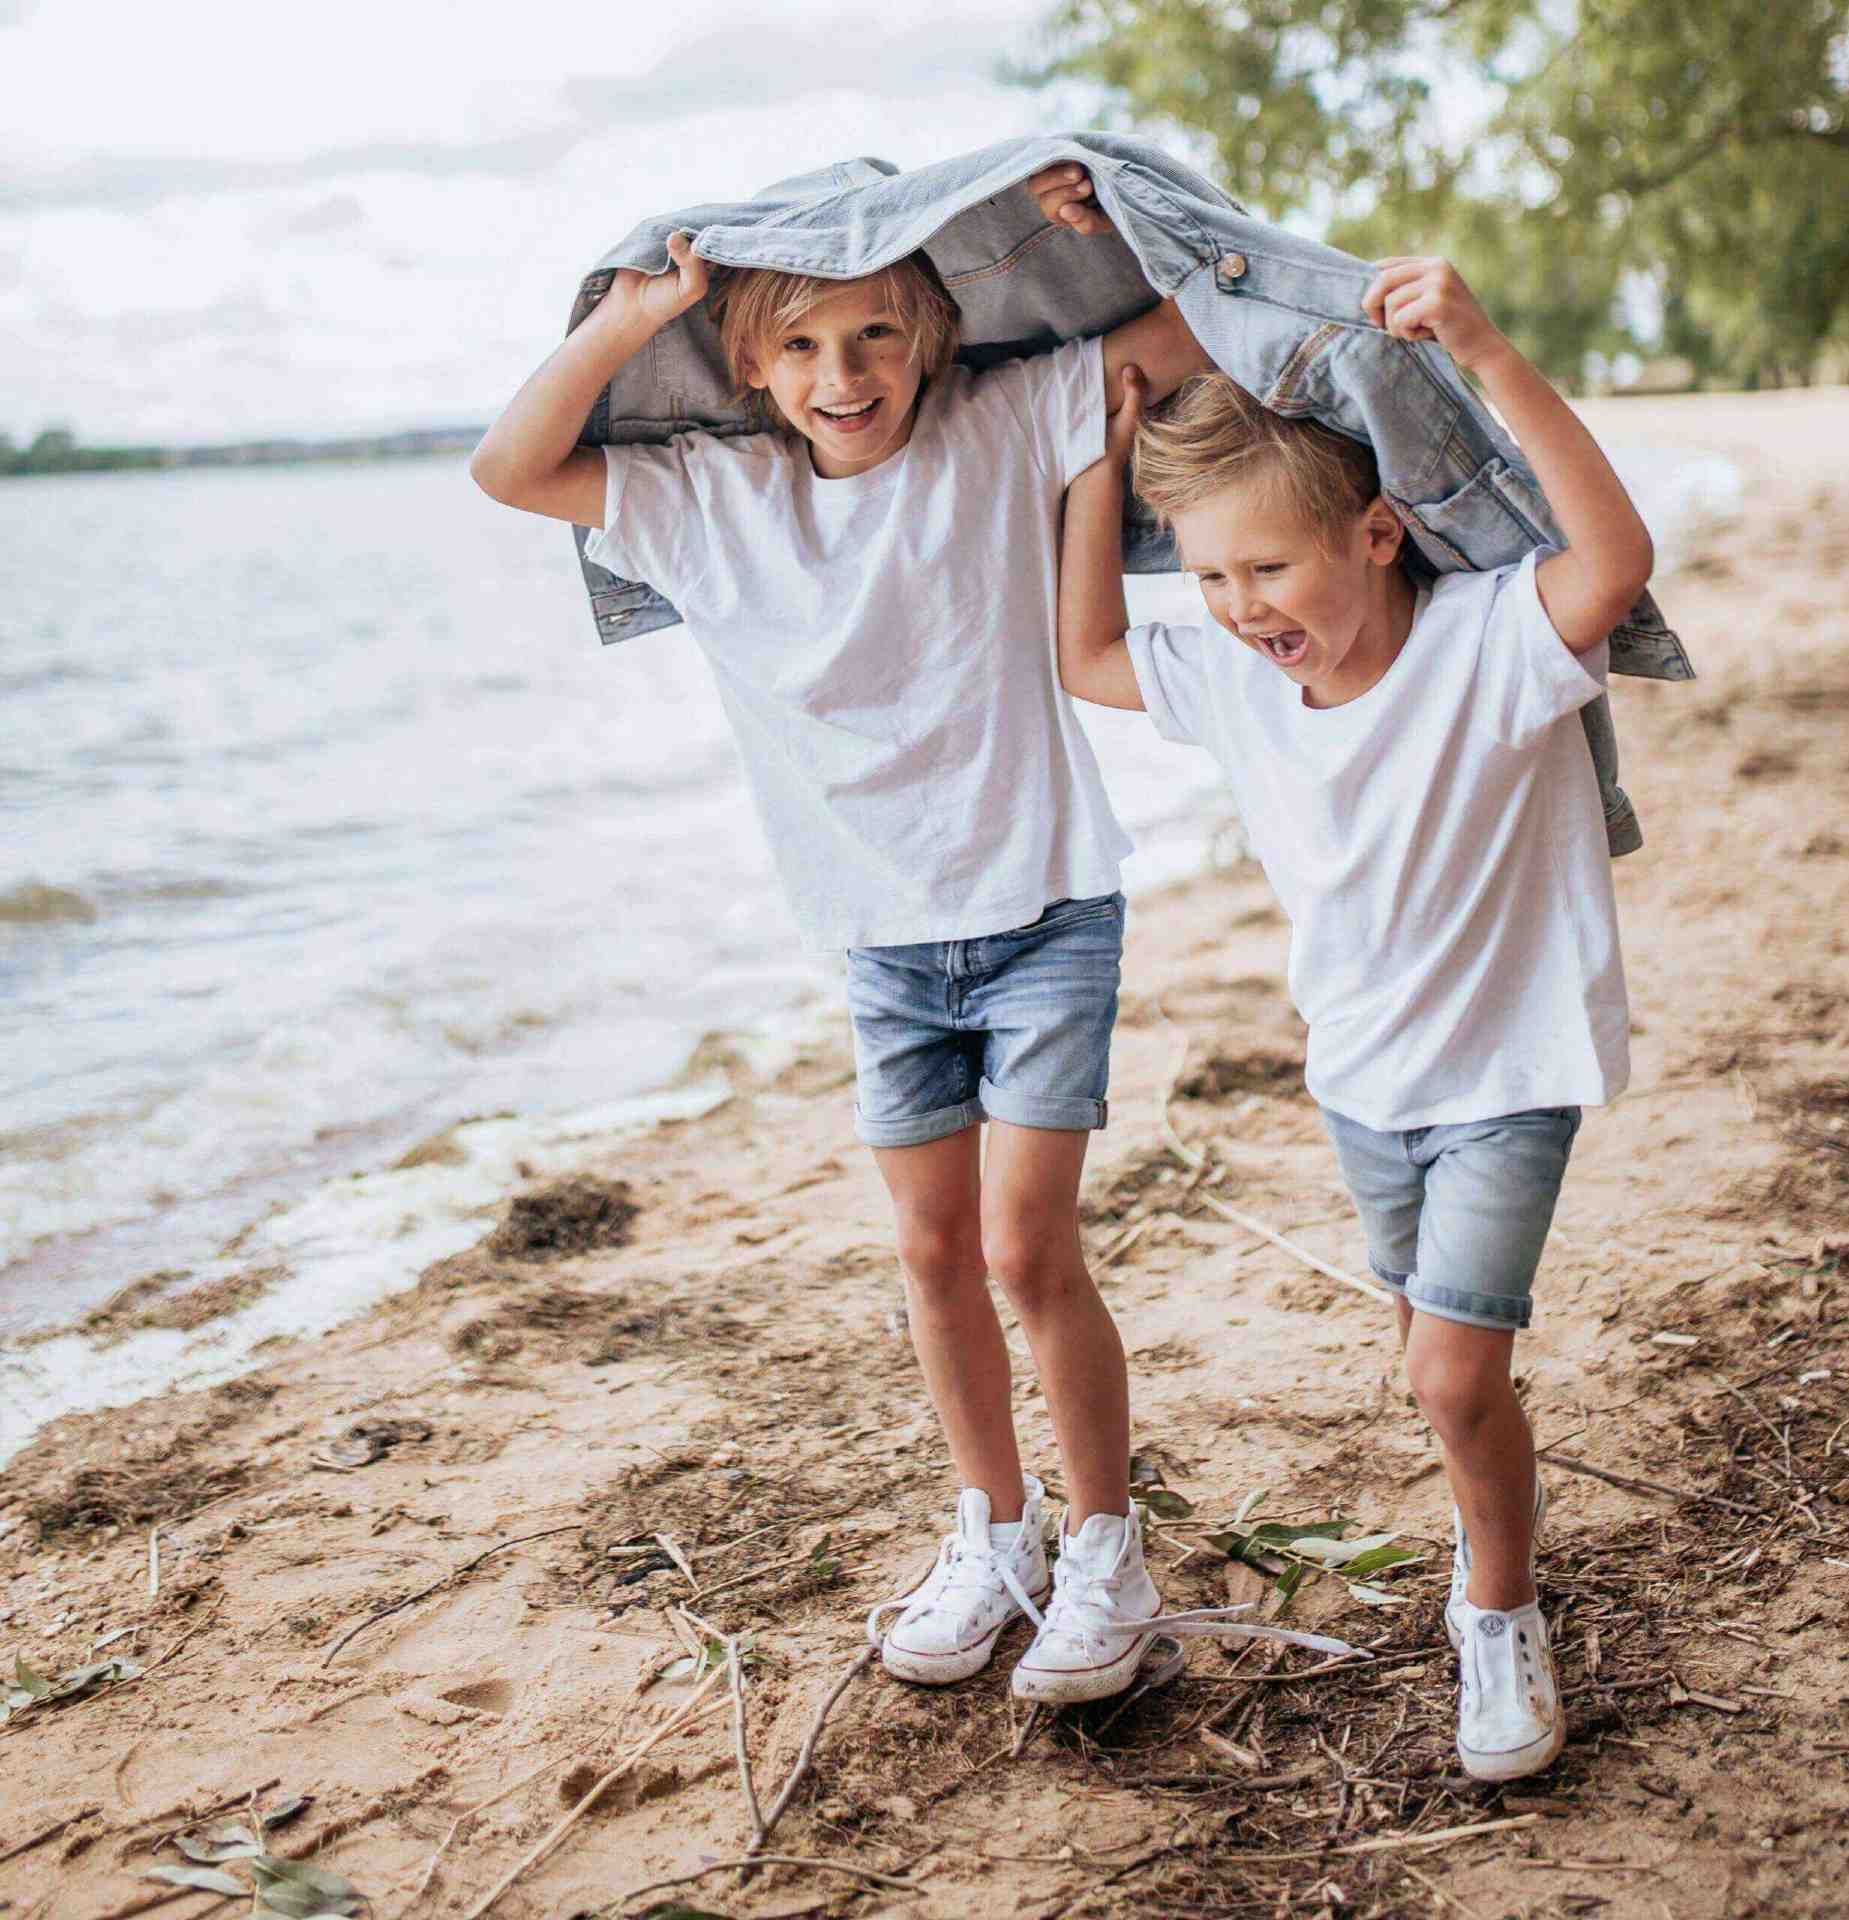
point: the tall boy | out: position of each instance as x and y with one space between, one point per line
874 582
1410 773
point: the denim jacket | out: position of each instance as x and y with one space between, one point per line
1281 315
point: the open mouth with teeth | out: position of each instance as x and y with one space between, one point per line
1285 648
851 419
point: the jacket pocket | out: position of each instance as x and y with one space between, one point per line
1485 524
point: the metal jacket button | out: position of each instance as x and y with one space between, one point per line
1233 266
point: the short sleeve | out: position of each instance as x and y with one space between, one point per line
1527 676
1058 399
651 516
1171 676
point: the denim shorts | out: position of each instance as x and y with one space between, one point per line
1456 1216
1015 1026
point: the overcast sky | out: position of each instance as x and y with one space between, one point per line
220 220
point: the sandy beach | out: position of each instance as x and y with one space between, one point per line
428 1562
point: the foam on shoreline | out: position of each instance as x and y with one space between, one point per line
344 1247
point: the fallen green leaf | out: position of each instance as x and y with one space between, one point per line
1165 1503
30 1688
1275 1533
204 1878
1146 1471
304 1891
29 1680
1377 1561
1327 1551
291 1809
222 1843
1378 1596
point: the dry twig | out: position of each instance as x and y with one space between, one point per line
774 1860
806 1754
740 1752
469 1813
424 1593
50 1833
682 1718
1647 1486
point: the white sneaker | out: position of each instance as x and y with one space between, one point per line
949 1625
1106 1612
1460 1563
1509 1718
1093 1636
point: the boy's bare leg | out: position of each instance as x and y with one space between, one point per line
1460 1377
937 1203
1030 1234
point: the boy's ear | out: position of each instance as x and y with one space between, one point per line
1384 531
753 378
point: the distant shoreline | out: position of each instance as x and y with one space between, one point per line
53 454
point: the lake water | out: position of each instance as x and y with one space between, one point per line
328 825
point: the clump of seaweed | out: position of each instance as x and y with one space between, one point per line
578 1215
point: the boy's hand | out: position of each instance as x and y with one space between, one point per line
1066 199
1426 299
661 297
1120 427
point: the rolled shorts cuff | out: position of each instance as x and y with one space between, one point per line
1058 1113
917 1129
1499 1312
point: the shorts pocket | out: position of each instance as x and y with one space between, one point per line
1067 913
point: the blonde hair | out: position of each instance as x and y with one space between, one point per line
753 305
1211 434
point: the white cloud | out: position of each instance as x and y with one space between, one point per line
357 217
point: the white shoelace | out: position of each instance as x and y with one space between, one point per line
1084 1607
970 1568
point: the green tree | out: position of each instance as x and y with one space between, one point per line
1562 153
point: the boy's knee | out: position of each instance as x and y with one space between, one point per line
1034 1262
1455 1397
938 1251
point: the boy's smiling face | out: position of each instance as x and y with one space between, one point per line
1330 613
846 376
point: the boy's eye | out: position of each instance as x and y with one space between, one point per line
798 343
877 330
1269 566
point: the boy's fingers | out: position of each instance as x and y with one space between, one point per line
1409 313
1391 283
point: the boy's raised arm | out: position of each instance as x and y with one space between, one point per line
1590 587
530 457
1160 343
1094 663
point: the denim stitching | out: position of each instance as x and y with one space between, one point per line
1005 264
1298 364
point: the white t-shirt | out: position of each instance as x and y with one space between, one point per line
884 649
1439 847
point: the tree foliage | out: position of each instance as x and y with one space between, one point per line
1692 155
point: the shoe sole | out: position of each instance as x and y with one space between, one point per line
1518 1761
1059 1687
945 1669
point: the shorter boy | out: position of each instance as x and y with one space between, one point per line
1408 766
